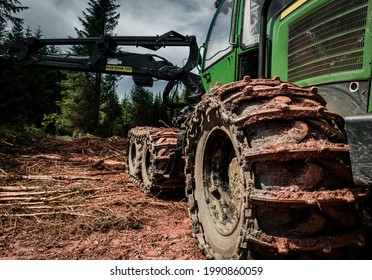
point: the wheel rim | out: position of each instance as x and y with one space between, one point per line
132 157
146 169
147 164
221 177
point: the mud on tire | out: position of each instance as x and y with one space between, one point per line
157 150
150 151
136 138
268 176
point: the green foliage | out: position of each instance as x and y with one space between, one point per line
60 103
8 11
159 111
70 102
25 96
99 19
127 115
77 106
142 100
77 113
110 110
25 131
142 108
49 123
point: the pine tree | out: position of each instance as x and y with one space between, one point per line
17 33
25 96
141 107
142 100
76 111
127 114
8 11
100 18
111 111
159 111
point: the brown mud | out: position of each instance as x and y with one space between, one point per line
72 200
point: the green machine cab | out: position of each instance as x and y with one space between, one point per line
322 43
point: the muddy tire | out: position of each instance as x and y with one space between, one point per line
268 176
134 156
158 147
136 139
219 200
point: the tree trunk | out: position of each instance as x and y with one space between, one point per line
97 103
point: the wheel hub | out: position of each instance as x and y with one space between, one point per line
221 171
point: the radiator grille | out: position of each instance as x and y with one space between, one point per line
327 40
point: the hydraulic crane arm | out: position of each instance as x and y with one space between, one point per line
106 57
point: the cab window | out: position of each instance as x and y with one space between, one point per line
219 37
251 22
251 19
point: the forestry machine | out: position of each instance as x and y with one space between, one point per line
268 170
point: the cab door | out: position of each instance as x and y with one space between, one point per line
219 59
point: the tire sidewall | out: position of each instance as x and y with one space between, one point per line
221 246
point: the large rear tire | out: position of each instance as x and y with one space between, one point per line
218 171
268 176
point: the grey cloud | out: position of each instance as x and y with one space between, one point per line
137 17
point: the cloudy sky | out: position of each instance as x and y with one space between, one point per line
58 18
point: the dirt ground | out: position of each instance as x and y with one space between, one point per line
72 200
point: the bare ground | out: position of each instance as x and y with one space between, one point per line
72 199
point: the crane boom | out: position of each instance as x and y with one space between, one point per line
106 57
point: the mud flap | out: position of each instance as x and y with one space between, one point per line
359 134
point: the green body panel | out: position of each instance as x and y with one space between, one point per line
279 55
227 68
279 50
224 70
368 52
221 72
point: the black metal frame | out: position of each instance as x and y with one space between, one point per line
142 67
